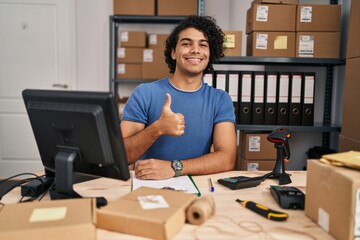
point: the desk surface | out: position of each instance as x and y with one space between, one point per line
231 220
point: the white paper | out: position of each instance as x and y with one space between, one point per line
181 183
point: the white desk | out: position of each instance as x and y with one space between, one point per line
228 212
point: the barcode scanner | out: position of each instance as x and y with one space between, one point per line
280 139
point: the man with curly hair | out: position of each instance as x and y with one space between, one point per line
170 125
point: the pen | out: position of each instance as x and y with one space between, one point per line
264 211
212 189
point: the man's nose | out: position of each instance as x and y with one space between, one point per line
195 48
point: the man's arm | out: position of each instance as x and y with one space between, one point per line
137 138
221 160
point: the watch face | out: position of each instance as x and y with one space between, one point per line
177 165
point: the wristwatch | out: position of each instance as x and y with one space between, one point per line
177 166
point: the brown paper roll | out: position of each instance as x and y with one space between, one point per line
201 210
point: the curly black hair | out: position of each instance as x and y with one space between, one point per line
205 24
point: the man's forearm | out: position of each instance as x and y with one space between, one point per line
214 162
137 144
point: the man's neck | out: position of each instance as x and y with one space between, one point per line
186 83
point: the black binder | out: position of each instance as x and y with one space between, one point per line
308 99
244 98
295 99
258 92
220 79
270 106
283 99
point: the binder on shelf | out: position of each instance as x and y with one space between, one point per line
283 99
244 98
258 98
220 80
208 79
233 89
270 105
295 99
308 99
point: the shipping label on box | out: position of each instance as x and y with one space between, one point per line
306 46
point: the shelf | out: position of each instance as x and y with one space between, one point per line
279 60
146 19
291 128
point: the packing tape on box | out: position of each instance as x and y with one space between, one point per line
201 210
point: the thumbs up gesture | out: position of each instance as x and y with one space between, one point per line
171 123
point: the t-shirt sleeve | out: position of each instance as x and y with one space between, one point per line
225 112
135 107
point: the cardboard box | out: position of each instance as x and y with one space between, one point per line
129 70
318 18
332 194
133 39
291 2
353 39
56 220
154 66
233 43
131 7
254 145
177 7
157 41
348 144
270 17
318 44
127 215
130 55
256 165
351 112
271 44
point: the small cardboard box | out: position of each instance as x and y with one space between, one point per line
256 165
271 17
318 44
351 111
131 7
129 70
315 18
333 199
177 7
129 55
128 214
255 146
233 43
353 39
157 41
154 66
56 220
133 39
271 44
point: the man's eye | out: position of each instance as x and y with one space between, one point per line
186 44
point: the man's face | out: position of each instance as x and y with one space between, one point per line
192 52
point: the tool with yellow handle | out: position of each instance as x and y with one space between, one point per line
264 211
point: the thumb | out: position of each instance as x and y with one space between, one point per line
167 103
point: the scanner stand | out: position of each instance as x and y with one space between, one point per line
279 169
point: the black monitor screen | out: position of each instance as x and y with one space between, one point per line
77 131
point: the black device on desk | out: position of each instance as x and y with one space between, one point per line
240 182
288 197
78 132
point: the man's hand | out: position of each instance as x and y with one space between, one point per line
153 169
171 123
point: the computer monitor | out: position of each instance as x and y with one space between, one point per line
76 132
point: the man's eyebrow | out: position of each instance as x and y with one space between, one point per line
189 39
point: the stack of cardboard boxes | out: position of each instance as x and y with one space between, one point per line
350 129
256 153
287 29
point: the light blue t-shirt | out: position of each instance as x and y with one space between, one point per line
202 109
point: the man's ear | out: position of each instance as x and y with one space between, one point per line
173 54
